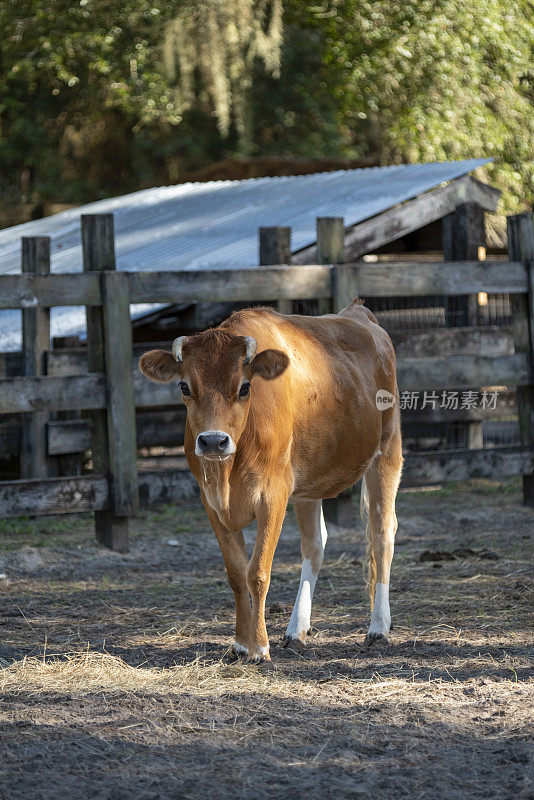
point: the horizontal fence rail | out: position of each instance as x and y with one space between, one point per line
406 279
413 374
91 492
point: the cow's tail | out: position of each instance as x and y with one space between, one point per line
369 569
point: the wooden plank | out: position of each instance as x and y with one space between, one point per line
121 403
236 285
89 391
247 285
68 436
463 372
53 496
91 493
331 250
274 245
73 361
165 428
425 469
463 232
416 279
279 281
154 429
34 462
485 341
148 394
161 428
75 392
345 286
330 240
167 486
98 245
463 236
521 246
482 193
48 394
65 289
275 248
369 235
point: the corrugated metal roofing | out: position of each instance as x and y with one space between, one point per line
203 225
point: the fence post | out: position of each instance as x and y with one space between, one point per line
34 462
521 248
331 250
121 428
275 248
98 244
463 235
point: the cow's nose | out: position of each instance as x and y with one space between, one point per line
213 443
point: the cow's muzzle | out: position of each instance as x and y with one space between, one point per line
214 445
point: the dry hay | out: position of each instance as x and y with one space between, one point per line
113 686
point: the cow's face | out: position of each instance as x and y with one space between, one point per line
215 370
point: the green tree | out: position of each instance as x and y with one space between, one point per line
77 83
213 46
433 80
88 108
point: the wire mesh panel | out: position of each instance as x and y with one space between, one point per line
501 432
421 437
408 313
397 314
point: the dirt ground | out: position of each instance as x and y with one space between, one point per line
112 683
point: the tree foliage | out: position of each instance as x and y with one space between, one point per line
89 105
430 80
221 40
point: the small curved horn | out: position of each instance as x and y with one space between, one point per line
177 346
251 346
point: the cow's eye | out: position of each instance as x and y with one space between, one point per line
245 389
186 391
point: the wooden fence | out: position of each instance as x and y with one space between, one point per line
108 389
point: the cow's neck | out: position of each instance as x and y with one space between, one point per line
215 479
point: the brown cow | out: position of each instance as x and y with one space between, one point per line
289 408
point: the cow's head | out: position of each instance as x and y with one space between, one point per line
215 370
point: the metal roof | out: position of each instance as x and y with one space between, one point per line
203 225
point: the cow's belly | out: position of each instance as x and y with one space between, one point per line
320 488
314 484
322 473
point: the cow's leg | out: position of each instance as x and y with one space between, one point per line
382 481
232 546
270 520
313 529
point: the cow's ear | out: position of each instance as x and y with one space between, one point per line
159 366
269 364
